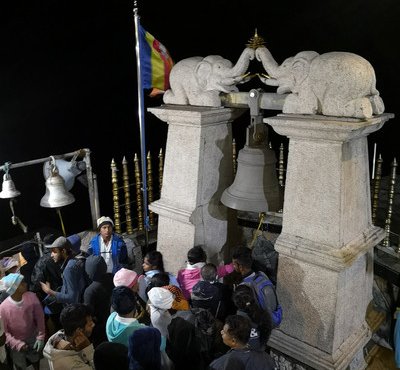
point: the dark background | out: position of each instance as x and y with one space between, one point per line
68 77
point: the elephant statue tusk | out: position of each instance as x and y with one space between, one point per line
264 75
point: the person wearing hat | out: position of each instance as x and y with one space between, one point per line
129 278
109 245
74 280
23 320
160 302
9 265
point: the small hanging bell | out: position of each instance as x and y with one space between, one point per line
8 188
56 193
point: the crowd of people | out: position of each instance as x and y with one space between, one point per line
87 308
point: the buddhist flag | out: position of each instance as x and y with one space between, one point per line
155 63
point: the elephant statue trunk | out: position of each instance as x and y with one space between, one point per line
264 56
199 81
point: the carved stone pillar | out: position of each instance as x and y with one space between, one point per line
198 168
325 270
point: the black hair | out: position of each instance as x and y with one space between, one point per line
158 280
196 254
74 316
209 272
244 299
123 300
155 258
243 256
239 328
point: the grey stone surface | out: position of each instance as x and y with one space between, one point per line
197 169
325 271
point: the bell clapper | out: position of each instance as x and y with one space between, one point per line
61 221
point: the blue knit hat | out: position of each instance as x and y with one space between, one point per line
11 282
144 349
75 241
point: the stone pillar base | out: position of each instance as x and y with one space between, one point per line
348 356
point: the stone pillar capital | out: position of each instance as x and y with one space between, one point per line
325 128
195 116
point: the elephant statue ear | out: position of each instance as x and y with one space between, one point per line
301 65
202 73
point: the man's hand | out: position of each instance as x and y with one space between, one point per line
46 288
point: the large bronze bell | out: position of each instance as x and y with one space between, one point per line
56 193
8 188
256 187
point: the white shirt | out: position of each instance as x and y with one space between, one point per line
105 251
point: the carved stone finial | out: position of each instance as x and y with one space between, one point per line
255 41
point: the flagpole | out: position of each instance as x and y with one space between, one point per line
141 126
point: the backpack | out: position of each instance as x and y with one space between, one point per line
258 283
265 258
81 261
205 331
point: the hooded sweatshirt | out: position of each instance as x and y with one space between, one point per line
119 328
67 359
213 296
98 295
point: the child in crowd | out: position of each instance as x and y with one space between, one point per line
152 264
160 302
212 295
189 276
23 319
161 280
8 265
122 322
129 278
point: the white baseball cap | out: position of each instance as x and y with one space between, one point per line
104 220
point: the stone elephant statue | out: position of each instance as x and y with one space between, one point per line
199 81
333 84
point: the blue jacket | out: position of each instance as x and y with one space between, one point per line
119 253
73 283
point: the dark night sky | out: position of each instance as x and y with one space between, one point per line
68 75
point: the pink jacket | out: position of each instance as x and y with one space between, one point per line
22 322
188 277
